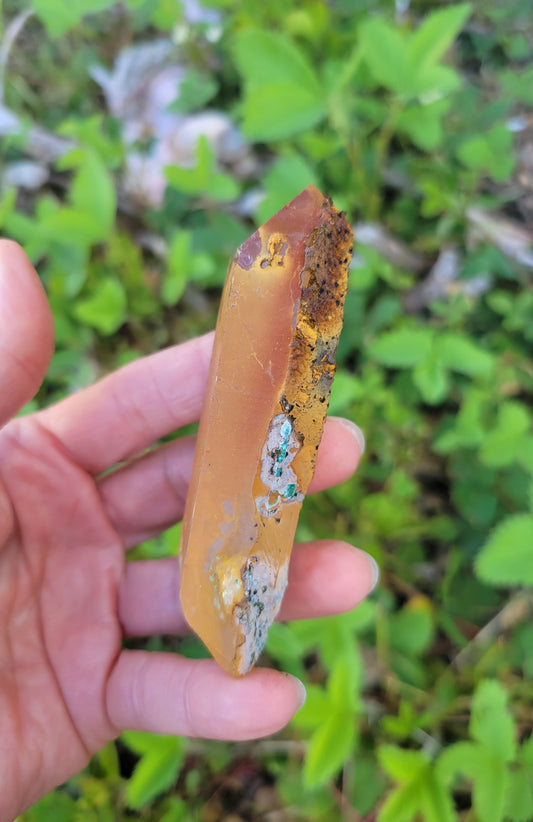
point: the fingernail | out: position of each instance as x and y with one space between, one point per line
374 568
356 431
302 693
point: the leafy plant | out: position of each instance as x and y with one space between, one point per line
159 764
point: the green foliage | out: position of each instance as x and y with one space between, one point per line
420 791
203 178
282 92
406 118
431 355
500 773
105 309
59 17
161 758
184 265
196 91
507 558
491 760
332 714
409 64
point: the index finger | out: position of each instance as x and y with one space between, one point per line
129 410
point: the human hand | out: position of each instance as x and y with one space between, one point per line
67 596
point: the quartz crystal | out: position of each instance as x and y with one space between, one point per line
270 379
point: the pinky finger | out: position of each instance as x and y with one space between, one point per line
168 694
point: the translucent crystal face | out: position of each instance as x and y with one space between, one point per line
271 373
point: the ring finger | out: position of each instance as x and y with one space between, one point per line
325 577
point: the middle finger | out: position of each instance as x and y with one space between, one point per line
148 495
325 577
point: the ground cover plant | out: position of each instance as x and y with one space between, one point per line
141 142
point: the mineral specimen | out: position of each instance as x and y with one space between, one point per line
269 385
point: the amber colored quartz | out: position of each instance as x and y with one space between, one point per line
268 391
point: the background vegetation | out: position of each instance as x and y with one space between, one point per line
141 142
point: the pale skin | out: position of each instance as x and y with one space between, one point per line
67 595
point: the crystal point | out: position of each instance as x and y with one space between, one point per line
270 379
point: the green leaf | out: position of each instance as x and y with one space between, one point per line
105 309
431 380
403 348
183 265
60 16
423 793
57 806
477 505
175 279
344 681
507 556
423 123
108 760
490 722
329 747
90 133
407 65
222 187
282 93
160 762
517 84
73 227
316 709
491 152
280 110
504 444
435 801
460 757
466 430
434 81
462 355
519 799
484 769
345 389
412 630
402 804
490 787
368 784
526 751
519 795
93 192
385 51
436 34
93 201
203 178
401 764
265 58
282 643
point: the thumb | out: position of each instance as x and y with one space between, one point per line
26 330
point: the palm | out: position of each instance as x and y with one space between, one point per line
67 597
60 565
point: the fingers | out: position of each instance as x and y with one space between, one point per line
167 694
149 598
26 330
325 577
147 496
341 448
129 410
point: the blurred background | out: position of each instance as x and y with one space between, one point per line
141 143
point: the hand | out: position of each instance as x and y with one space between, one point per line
67 596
